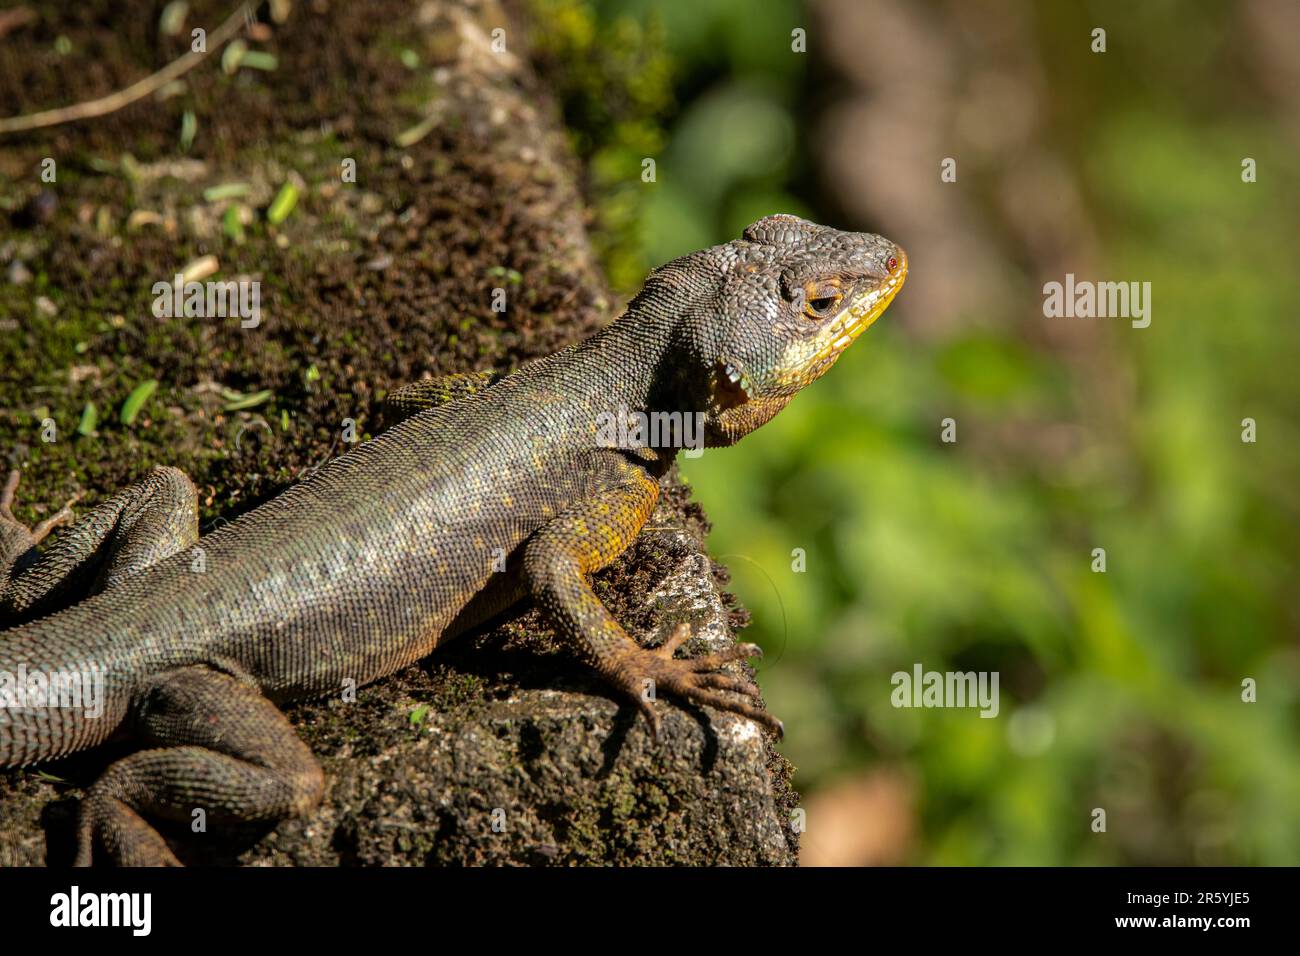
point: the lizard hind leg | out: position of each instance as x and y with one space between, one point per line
16 539
224 754
137 527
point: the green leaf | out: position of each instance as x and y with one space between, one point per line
131 167
189 126
89 419
135 401
418 715
257 60
412 135
173 18
283 204
233 56
239 402
232 226
225 191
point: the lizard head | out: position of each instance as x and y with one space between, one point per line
778 308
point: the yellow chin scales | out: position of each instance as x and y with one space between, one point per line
864 311
852 322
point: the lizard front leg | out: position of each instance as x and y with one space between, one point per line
558 562
135 528
223 749
429 393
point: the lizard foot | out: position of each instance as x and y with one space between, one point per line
130 841
37 534
644 673
261 772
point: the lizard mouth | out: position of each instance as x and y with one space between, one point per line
862 312
858 316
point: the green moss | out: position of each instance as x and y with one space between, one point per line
613 78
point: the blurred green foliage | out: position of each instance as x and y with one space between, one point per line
1119 690
621 69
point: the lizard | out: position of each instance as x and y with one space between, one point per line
487 489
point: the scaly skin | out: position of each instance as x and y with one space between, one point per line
490 490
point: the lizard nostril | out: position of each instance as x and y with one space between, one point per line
892 264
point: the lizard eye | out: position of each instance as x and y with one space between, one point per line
822 306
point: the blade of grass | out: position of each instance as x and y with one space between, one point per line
135 401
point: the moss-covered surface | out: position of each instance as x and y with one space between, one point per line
364 286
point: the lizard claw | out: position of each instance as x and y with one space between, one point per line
9 494
694 679
63 516
680 635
